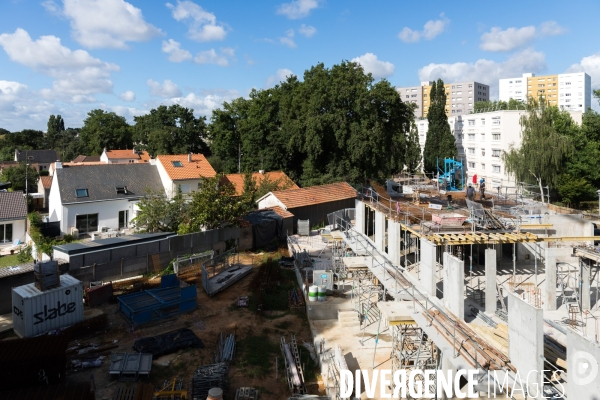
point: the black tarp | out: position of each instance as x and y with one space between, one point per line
168 342
266 226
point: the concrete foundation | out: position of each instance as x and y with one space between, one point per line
583 365
526 342
359 216
550 281
380 231
490 281
454 285
394 242
428 266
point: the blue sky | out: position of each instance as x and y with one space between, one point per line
71 56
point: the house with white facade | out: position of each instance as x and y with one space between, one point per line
41 160
95 198
482 137
123 156
183 172
13 219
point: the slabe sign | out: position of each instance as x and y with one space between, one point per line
50 313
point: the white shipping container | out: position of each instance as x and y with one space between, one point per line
36 312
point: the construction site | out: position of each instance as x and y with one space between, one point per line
421 278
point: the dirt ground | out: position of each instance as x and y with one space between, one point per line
213 315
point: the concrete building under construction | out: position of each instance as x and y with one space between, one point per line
427 281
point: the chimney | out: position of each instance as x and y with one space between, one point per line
262 171
57 165
189 157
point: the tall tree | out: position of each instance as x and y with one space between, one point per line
540 158
440 142
159 214
103 129
413 150
56 125
170 130
20 174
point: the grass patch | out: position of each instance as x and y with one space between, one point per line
257 355
9 261
311 368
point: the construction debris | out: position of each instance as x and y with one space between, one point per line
129 367
207 377
242 301
293 366
171 390
246 393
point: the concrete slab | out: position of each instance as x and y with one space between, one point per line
394 238
356 262
428 266
526 340
397 312
326 310
454 285
583 366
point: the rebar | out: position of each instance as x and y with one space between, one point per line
225 348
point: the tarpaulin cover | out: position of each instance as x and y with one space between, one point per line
168 343
266 226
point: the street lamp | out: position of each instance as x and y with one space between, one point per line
27 158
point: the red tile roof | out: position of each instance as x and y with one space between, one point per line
46 181
141 156
293 198
281 212
237 180
198 167
81 158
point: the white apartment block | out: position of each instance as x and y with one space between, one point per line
481 138
572 92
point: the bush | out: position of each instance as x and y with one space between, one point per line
24 255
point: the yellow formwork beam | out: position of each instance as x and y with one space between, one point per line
536 226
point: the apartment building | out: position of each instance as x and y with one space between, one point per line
572 92
460 97
482 137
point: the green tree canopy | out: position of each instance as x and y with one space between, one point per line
18 175
413 150
486 105
103 129
159 214
440 142
56 125
170 130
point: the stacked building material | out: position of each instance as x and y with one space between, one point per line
130 366
225 348
168 343
207 377
246 393
46 275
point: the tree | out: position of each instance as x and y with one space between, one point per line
440 142
56 125
212 206
541 156
18 175
103 129
486 105
413 150
573 189
597 95
171 130
159 214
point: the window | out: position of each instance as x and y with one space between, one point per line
185 188
471 136
495 136
471 165
483 137
459 86
86 223
121 189
413 95
123 219
517 81
6 233
496 168
179 164
483 152
471 122
495 120
567 83
471 150
81 193
470 85
482 121
483 167
496 153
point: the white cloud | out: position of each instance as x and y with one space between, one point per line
212 57
297 9
10 92
513 38
431 29
591 66
51 7
202 24
202 103
378 68
280 76
307 30
127 96
167 89
106 23
486 71
21 109
287 40
175 52
77 74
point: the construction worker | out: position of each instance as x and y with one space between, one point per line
470 192
482 189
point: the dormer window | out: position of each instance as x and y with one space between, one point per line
81 193
177 163
121 189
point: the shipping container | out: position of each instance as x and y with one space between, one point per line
36 312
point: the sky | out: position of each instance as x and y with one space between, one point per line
72 56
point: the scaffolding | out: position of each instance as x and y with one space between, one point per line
293 366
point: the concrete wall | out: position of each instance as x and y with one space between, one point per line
108 213
393 244
583 365
380 231
428 266
569 225
454 285
359 217
18 230
526 339
490 281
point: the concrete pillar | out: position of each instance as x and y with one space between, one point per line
454 285
550 278
490 281
583 365
446 367
526 341
428 266
585 274
394 233
380 231
359 216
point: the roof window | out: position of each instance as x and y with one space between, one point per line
121 189
177 163
81 193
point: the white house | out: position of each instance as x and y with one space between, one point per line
93 198
13 218
124 156
183 171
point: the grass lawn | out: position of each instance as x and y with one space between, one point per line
9 261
